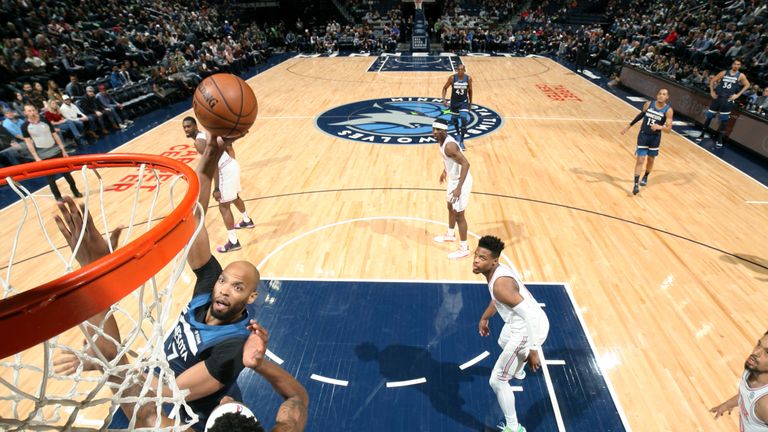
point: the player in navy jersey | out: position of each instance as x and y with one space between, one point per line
461 101
657 118
723 89
205 348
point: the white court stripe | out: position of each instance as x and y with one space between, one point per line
475 360
517 388
383 63
556 362
272 356
552 394
757 202
365 219
327 380
602 368
392 384
408 281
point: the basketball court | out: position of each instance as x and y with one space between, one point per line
654 300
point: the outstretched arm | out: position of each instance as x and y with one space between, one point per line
200 251
292 414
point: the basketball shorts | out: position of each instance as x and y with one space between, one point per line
514 345
459 106
229 181
466 190
721 105
648 144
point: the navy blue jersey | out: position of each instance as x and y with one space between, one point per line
459 89
729 85
653 116
191 342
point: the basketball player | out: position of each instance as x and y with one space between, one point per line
751 399
226 187
525 325
461 101
459 186
722 88
207 348
657 118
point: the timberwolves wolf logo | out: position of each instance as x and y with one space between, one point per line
402 120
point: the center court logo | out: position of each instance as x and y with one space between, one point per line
400 120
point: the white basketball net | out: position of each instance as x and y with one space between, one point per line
39 398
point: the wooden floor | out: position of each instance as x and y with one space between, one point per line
672 312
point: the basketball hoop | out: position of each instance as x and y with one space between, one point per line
31 316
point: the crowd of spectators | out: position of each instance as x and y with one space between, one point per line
92 68
89 69
687 41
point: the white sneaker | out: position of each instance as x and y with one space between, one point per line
444 239
460 253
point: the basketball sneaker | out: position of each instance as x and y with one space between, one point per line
644 181
244 224
459 253
228 247
701 136
444 239
504 428
636 189
719 142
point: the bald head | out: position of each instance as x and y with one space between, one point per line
246 271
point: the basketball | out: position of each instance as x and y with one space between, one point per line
225 105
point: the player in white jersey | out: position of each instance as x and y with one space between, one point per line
459 186
752 398
525 325
226 188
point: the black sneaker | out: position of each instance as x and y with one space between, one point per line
643 181
228 247
636 189
77 194
244 224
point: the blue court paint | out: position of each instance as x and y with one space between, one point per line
409 63
371 333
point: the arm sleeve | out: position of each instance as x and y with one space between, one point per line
226 361
527 314
207 276
637 118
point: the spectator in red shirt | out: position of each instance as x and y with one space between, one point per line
54 118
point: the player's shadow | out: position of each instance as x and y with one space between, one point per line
404 362
752 262
602 177
402 231
625 183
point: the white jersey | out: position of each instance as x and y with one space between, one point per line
452 168
225 158
510 317
748 397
